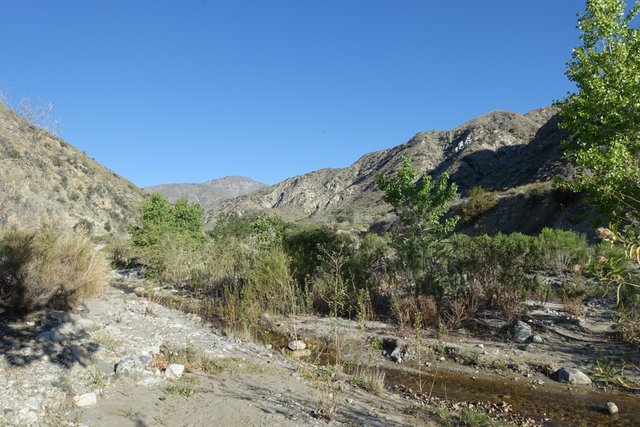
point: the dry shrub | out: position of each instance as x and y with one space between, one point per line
44 267
573 306
405 310
428 309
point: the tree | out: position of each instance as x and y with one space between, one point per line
603 115
603 119
160 219
421 204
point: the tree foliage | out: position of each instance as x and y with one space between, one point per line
160 219
603 115
421 204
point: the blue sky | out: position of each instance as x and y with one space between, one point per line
188 90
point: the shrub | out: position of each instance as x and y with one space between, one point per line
478 203
306 246
45 268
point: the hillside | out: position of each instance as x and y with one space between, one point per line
501 151
208 193
45 178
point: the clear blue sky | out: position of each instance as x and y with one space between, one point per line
188 90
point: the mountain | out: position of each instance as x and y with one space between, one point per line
43 178
208 193
515 155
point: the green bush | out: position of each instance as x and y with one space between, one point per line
46 268
479 202
305 246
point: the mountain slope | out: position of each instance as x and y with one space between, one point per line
208 193
499 150
44 178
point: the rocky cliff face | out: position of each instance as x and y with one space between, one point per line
44 178
499 151
208 193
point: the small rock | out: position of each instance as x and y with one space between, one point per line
296 345
79 353
537 339
480 345
33 403
84 400
174 371
538 382
398 354
52 335
105 367
522 332
71 329
133 364
571 376
611 408
87 324
442 359
149 381
301 353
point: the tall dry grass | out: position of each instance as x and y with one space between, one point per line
44 267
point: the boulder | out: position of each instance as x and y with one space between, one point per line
522 332
394 349
571 376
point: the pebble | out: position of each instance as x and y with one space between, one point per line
296 345
611 408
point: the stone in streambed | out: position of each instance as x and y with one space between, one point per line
571 376
297 345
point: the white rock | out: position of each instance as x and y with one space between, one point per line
84 400
297 345
571 376
174 371
612 408
537 339
33 403
149 381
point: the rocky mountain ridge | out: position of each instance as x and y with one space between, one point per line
499 151
46 179
208 193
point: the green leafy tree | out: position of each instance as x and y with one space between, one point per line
603 115
603 119
160 219
421 204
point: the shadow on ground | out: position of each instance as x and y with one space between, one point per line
52 337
